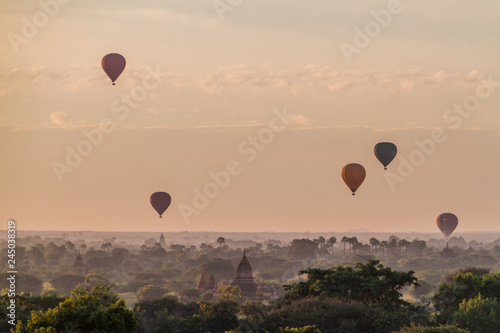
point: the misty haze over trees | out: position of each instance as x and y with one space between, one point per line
188 282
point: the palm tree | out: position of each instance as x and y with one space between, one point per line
352 241
221 240
331 241
344 240
402 244
374 242
357 246
383 245
392 244
321 241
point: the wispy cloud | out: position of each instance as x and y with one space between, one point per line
245 79
60 118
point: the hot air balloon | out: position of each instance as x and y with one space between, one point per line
447 222
385 152
113 65
160 201
353 175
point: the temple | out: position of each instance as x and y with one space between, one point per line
80 264
205 284
162 241
244 278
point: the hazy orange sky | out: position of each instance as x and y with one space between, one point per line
279 94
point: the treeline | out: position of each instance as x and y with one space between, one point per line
361 298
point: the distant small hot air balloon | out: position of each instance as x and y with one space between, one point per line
160 201
353 175
113 65
385 152
447 222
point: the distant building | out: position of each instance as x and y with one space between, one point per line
266 291
244 278
206 284
162 241
80 264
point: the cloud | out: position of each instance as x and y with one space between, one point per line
299 120
60 118
243 79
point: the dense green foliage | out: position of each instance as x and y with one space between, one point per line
99 310
370 284
336 284
464 286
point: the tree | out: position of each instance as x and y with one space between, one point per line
359 246
418 246
54 253
463 286
231 293
439 329
305 329
371 283
332 241
374 242
150 292
219 316
352 241
24 305
321 241
422 289
70 246
36 255
25 283
220 268
302 249
221 240
99 310
66 283
383 245
478 314
392 244
106 246
403 244
203 247
344 240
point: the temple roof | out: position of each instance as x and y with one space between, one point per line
244 269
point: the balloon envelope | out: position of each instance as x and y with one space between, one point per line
447 222
353 175
160 201
113 65
385 152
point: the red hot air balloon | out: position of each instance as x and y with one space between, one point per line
160 201
353 175
385 152
113 65
447 222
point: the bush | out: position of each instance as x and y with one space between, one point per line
481 315
440 329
